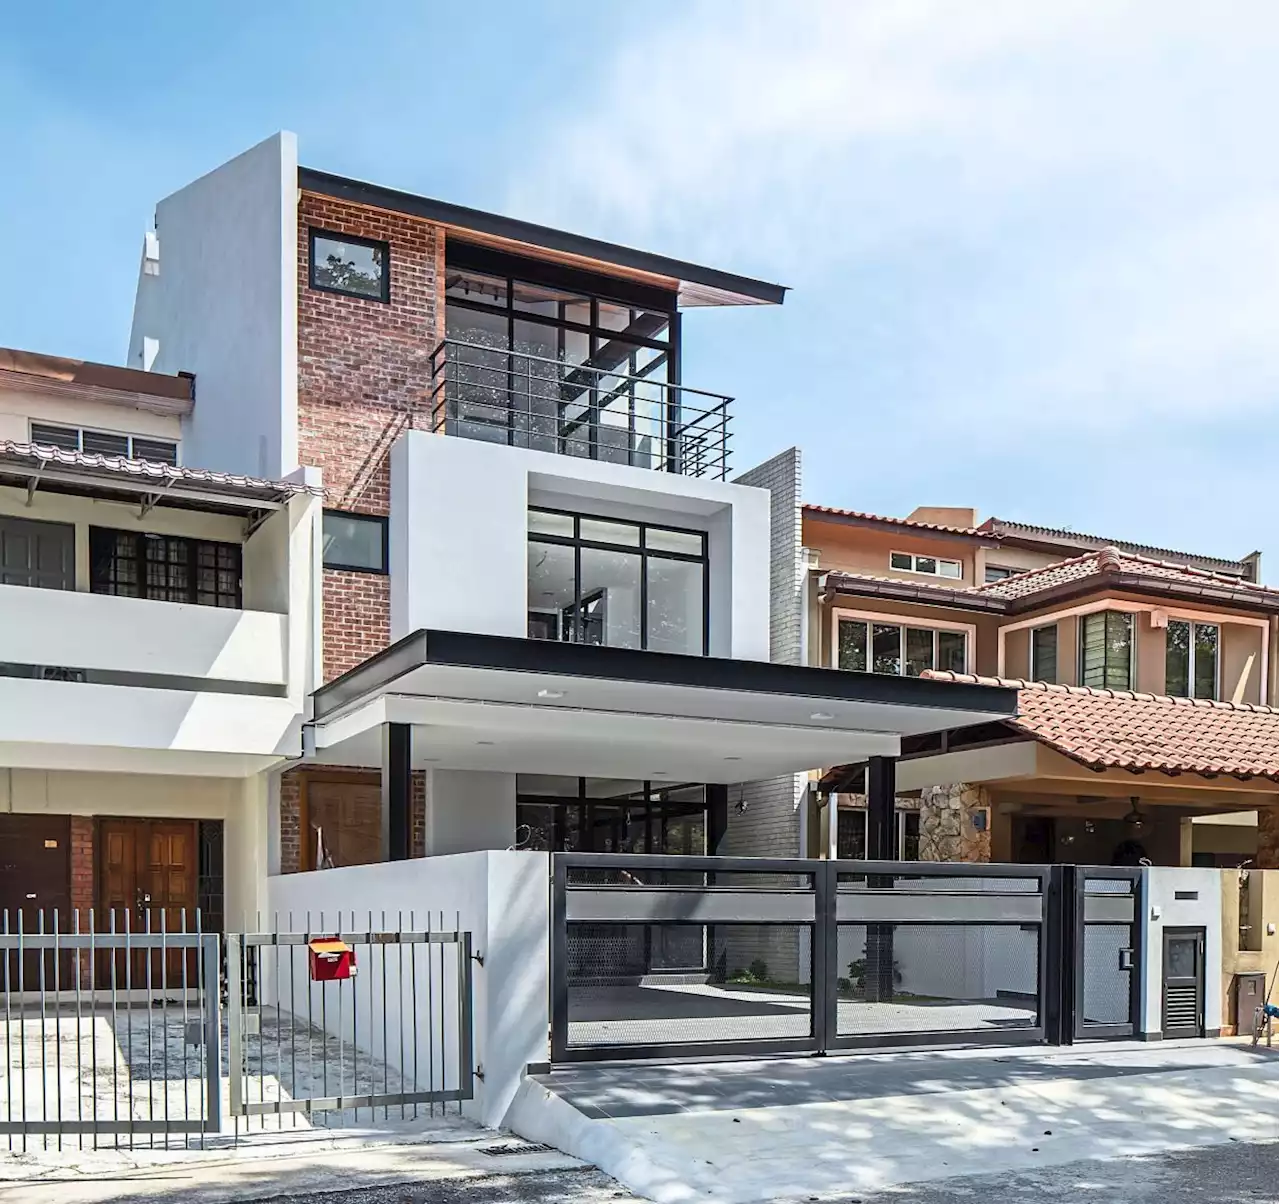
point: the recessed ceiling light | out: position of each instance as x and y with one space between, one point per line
822 715
550 693
489 742
431 759
733 758
660 773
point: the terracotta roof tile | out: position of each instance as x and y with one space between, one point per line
38 455
895 522
1112 560
1123 729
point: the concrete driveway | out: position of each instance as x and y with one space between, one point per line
838 1127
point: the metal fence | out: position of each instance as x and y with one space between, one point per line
391 1041
600 413
703 957
111 1037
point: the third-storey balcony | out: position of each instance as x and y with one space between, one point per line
617 406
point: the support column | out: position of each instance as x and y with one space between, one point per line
881 779
717 818
397 810
1268 837
881 802
955 823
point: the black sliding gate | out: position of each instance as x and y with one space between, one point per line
660 957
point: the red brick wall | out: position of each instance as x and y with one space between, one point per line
364 376
83 881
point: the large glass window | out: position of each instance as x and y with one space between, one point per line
617 584
1044 653
1191 659
904 651
560 360
166 568
1106 650
354 541
851 834
604 815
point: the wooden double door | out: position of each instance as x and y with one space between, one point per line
148 872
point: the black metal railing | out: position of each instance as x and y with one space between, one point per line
591 411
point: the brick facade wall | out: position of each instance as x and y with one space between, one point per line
83 880
364 376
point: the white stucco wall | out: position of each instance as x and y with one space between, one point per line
239 802
459 558
1162 909
501 898
467 811
224 305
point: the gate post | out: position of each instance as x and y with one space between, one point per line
235 1018
1058 990
823 968
212 1035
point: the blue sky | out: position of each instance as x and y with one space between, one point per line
1033 247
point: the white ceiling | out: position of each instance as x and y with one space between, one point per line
487 719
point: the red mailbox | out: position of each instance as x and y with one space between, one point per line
331 959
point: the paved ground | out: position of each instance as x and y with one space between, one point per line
140 1063
630 1015
835 1128
1235 1173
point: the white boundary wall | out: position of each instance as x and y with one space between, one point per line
502 899
1162 909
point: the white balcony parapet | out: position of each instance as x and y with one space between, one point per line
66 629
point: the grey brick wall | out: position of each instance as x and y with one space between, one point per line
764 817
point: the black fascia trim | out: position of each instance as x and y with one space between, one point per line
359 192
553 657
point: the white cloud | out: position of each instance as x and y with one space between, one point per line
1103 174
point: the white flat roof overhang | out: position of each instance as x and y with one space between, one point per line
500 703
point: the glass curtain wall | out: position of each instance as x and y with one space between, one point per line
617 584
605 815
559 360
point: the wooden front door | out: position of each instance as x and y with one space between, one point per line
147 883
342 820
35 892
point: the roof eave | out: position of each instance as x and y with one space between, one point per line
698 285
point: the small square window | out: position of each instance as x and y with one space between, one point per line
949 568
900 560
356 267
354 541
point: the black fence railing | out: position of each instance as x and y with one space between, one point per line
591 411
704 957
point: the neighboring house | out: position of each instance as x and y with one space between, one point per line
156 636
1146 680
547 613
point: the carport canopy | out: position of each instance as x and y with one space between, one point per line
506 704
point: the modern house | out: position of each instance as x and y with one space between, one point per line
157 631
546 599
1146 684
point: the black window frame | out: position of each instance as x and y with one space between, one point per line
592 287
381 519
590 808
381 244
640 550
143 587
